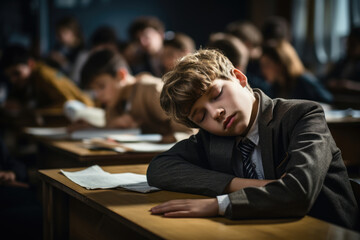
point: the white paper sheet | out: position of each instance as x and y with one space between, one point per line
148 147
101 133
51 132
136 138
95 177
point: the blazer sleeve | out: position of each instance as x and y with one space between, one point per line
309 157
184 168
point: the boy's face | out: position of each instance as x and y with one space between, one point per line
150 40
226 107
66 36
106 88
18 74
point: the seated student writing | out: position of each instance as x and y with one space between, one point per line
129 101
35 85
258 157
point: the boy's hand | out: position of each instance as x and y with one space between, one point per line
123 121
78 125
188 208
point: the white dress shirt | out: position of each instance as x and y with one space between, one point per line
253 135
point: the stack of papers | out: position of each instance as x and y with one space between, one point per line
95 177
102 133
340 114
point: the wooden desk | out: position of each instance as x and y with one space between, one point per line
65 154
346 133
72 212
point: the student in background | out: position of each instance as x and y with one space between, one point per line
256 157
276 28
102 37
36 86
345 74
130 101
70 43
283 69
176 45
148 34
238 54
251 36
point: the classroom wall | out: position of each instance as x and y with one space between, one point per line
196 18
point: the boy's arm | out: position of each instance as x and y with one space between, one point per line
184 168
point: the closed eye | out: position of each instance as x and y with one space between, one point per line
203 117
220 93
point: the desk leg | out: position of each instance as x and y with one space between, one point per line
56 213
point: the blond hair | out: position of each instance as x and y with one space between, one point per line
190 79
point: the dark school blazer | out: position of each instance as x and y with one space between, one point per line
294 139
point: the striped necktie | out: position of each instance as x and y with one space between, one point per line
246 148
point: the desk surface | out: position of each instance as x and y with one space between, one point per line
59 153
132 209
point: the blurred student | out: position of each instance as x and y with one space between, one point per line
70 42
103 37
148 34
345 74
251 36
276 28
129 101
176 45
283 69
36 86
21 212
238 54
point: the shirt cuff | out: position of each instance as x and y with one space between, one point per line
223 201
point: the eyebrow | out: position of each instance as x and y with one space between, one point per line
208 92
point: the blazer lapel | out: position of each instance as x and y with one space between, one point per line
266 135
221 149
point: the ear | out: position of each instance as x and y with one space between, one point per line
122 74
239 76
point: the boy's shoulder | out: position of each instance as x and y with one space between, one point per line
281 106
46 73
295 105
146 79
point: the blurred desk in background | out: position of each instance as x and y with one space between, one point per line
65 154
345 129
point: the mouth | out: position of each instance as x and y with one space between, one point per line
229 121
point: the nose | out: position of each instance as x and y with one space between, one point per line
218 113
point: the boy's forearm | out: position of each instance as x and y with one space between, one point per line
240 183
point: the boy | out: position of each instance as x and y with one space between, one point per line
36 85
129 101
294 168
148 33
